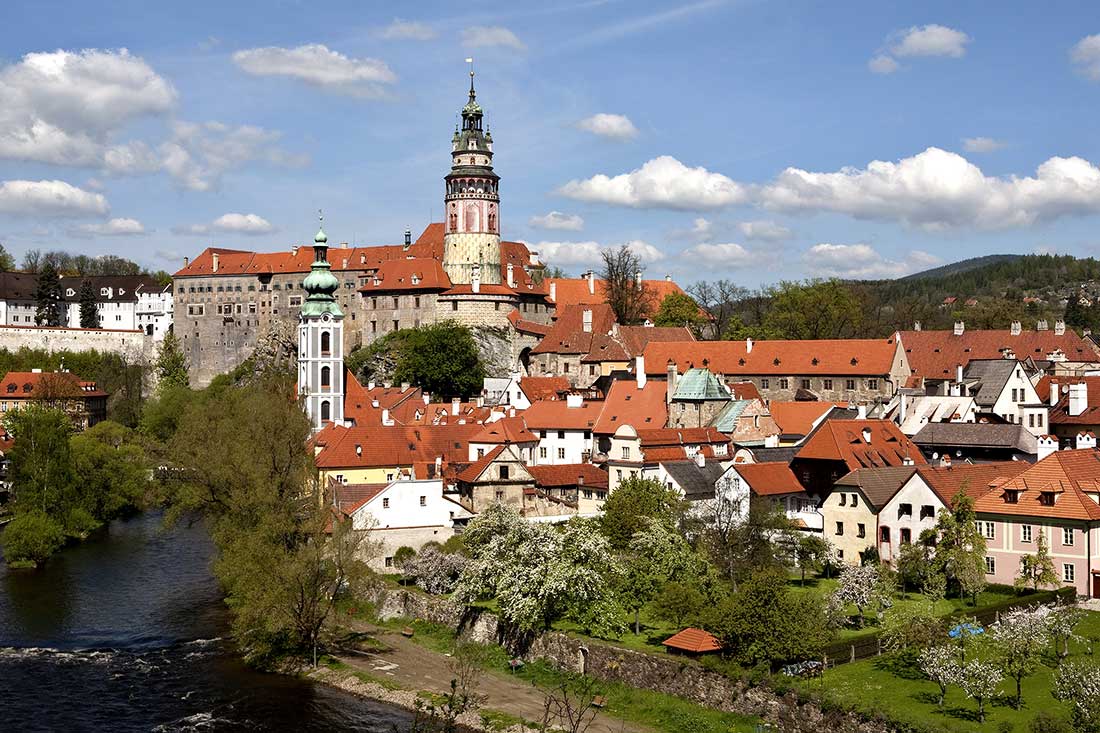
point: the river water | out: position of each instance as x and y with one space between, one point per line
127 632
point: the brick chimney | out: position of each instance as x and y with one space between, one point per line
1078 398
586 320
639 370
214 259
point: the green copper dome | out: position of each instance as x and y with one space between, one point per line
320 284
321 237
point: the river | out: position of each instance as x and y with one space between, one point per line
127 632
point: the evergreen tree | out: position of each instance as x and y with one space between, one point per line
89 313
171 363
1076 315
7 262
47 297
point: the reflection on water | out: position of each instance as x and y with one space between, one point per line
125 632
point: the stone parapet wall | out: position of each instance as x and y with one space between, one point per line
133 345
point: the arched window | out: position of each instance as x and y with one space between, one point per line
472 223
326 343
326 411
326 377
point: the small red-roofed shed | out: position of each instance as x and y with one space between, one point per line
693 641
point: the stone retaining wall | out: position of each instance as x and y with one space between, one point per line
679 676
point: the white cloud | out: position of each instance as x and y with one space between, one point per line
319 66
1085 55
981 145
62 107
200 153
249 224
112 228
590 254
557 220
723 256
491 35
614 127
407 30
882 64
701 229
764 231
931 40
936 189
50 198
663 182
862 262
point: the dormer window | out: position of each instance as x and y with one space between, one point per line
1047 498
1012 496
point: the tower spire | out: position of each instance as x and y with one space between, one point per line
473 95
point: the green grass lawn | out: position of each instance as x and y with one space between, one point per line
880 687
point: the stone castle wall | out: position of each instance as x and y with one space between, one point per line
133 345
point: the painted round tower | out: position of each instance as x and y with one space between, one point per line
471 242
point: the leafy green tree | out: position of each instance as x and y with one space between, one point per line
679 309
631 301
629 508
161 414
740 545
402 555
41 462
657 554
960 550
909 629
171 363
89 313
7 262
679 602
1037 571
813 553
817 309
111 468
31 537
47 297
764 622
915 566
441 358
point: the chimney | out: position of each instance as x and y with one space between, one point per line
344 245
386 417
404 387
901 407
358 450
456 405
916 325
959 373
960 327
1053 393
1086 439
554 292
408 238
1042 325
427 399
1078 398
861 412
573 401
511 276
591 283
638 278
186 261
214 257
639 370
294 251
374 404
580 479
586 320
748 346
370 384
945 461
668 278
866 431
1059 327
1047 444
481 400
1014 328
700 459
673 380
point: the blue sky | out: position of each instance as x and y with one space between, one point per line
749 140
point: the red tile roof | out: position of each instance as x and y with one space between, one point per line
797 418
504 431
627 405
567 334
46 385
420 274
567 474
976 478
474 470
543 388
843 440
770 478
1067 475
623 343
575 291
350 497
1059 414
558 415
532 327
695 641
936 354
822 357
382 446
744 391
660 437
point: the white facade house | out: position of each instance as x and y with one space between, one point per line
402 514
564 430
154 312
742 482
1004 387
909 512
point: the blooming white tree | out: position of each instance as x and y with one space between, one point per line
1019 638
938 663
1078 681
979 680
1062 620
862 586
435 572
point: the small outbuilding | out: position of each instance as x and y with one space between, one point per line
693 642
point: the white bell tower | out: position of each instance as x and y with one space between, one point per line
321 342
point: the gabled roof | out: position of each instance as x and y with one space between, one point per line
46 385
844 440
558 415
420 274
473 472
382 446
543 388
976 478
1059 414
349 497
525 326
663 437
696 481
833 357
567 474
936 354
623 343
575 291
977 435
567 334
878 485
696 641
700 384
726 420
506 430
770 478
625 404
744 390
1066 474
988 377
798 418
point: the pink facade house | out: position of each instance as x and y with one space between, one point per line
1059 497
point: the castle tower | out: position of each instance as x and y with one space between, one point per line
321 342
471 243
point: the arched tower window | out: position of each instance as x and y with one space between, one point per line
454 219
326 411
326 377
326 342
472 223
492 219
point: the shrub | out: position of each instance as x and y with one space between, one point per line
402 555
435 572
32 537
79 522
1047 722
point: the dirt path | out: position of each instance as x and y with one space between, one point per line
413 667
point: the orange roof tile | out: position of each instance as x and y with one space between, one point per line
506 430
627 405
936 354
1065 474
372 446
558 415
543 388
1059 414
567 334
399 275
843 440
42 385
567 474
824 357
976 478
797 418
770 478
575 291
695 641
474 470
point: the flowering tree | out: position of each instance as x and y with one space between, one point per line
1079 682
862 586
979 680
435 572
938 664
539 573
657 555
1019 638
1062 620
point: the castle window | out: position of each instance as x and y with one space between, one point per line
454 305
416 301
326 377
396 302
326 342
326 411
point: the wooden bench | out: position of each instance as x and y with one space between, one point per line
599 701
407 632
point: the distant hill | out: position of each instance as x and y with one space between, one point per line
955 268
